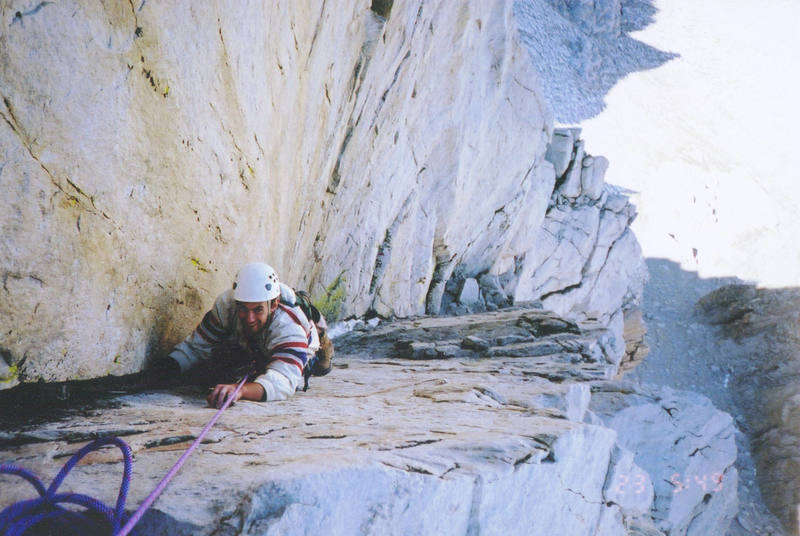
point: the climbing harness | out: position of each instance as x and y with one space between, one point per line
16 519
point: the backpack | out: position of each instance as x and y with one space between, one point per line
320 363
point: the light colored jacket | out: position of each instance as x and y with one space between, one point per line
285 344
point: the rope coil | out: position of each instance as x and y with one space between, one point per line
17 519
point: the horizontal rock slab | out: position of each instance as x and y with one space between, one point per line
454 435
374 448
520 330
382 445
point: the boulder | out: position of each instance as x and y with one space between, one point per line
493 292
571 185
593 176
470 292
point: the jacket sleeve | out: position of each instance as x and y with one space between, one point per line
288 348
213 329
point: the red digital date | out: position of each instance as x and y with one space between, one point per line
703 481
636 482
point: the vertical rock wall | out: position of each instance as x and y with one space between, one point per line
370 151
149 149
442 159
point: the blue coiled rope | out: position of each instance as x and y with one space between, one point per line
18 518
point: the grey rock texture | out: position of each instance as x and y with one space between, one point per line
584 263
635 331
583 48
496 441
300 135
601 18
687 354
695 481
628 485
758 330
560 150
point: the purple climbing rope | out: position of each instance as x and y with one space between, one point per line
16 519
150 499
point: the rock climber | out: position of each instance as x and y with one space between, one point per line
257 327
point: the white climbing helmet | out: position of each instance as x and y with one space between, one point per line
256 282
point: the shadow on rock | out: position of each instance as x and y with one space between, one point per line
687 352
759 330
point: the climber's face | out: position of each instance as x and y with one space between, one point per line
255 315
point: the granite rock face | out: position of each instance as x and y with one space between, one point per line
148 150
584 262
495 434
694 482
758 327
